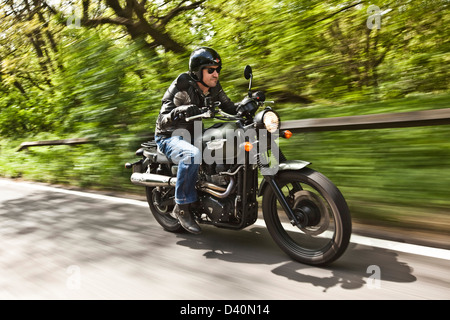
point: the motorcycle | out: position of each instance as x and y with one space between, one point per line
304 212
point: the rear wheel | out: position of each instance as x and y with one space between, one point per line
325 223
162 212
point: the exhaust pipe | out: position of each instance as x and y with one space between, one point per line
152 180
158 180
208 187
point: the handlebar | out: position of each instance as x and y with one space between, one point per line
207 114
210 111
212 114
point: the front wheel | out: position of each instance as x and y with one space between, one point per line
325 229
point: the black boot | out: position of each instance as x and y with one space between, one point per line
186 218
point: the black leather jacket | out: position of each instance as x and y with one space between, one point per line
185 91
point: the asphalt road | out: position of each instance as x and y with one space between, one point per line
62 244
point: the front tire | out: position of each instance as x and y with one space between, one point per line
326 228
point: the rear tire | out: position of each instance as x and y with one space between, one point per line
162 213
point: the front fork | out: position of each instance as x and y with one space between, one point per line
295 216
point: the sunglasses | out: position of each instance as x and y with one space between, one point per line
211 70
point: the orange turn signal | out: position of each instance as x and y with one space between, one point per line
248 146
287 134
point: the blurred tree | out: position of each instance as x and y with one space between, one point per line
312 50
28 46
29 57
143 20
101 92
301 51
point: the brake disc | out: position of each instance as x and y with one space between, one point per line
315 209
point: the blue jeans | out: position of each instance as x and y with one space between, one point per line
188 158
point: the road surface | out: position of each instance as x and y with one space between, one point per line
64 244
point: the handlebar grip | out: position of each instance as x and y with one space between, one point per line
193 117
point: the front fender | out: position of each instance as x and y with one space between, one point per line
291 165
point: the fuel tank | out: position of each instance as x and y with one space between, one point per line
221 142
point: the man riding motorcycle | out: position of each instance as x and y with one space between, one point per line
184 98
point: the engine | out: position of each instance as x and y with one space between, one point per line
218 197
211 173
218 210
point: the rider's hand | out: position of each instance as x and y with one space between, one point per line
241 107
257 97
183 112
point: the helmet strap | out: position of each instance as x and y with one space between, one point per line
201 81
199 78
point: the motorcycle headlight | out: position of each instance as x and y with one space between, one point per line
271 121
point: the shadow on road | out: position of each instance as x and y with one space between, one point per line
353 270
77 228
357 268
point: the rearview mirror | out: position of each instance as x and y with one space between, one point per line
248 72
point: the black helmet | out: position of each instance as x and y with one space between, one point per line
201 58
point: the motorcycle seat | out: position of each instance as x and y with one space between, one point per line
151 150
161 157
